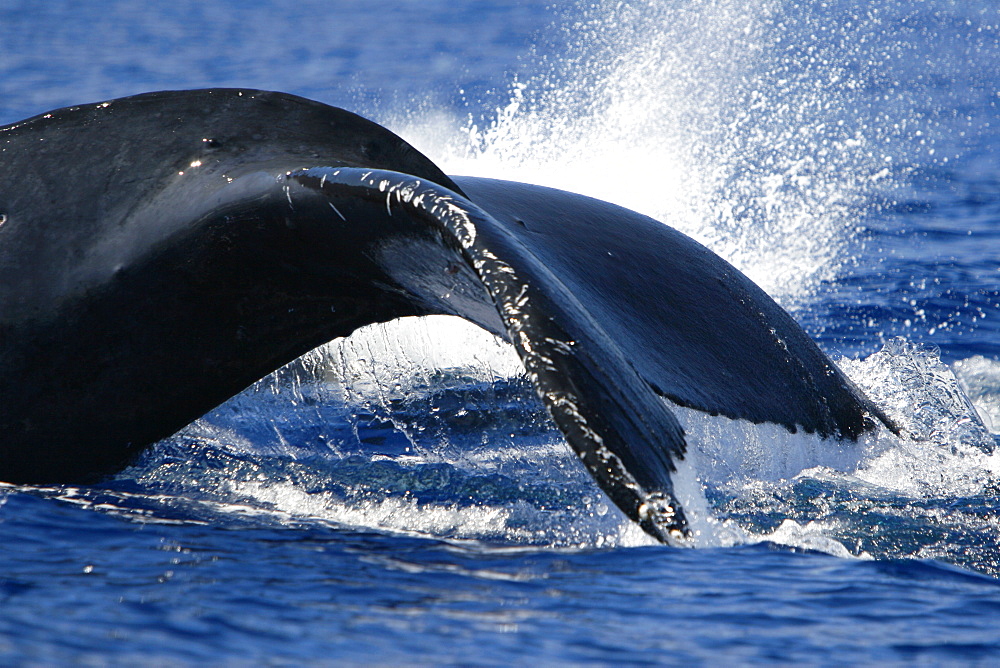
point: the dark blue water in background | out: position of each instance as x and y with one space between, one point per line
401 497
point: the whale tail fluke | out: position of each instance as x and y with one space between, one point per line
160 253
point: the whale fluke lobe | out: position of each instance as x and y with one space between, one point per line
471 265
160 253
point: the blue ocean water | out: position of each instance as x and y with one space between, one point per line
400 496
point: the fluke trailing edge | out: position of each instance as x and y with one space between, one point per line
159 253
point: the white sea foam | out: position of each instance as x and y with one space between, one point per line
946 452
949 450
980 378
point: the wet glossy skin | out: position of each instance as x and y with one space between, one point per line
160 253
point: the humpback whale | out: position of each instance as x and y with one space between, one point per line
159 253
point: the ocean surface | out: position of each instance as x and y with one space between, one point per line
401 497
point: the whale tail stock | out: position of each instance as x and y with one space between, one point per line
160 253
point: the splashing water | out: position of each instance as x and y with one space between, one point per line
927 494
769 133
744 127
921 394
